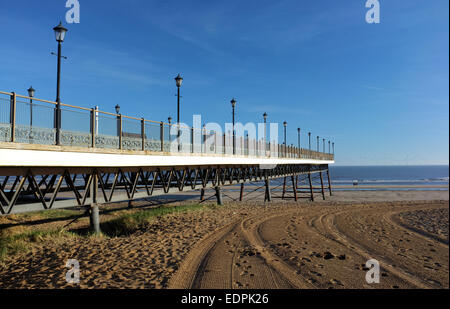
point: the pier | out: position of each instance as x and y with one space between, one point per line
54 155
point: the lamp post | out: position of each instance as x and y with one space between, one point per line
60 33
285 145
117 107
309 141
318 144
329 147
323 145
178 82
31 95
333 147
298 133
233 105
170 120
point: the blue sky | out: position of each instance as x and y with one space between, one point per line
379 91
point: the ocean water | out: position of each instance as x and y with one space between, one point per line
390 176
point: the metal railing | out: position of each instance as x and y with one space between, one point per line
30 120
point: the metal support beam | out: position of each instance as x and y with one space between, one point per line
202 194
294 186
310 187
321 184
284 188
95 218
219 196
94 210
268 195
329 181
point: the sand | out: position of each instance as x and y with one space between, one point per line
252 244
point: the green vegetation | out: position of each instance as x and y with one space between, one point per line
57 213
124 224
21 243
131 222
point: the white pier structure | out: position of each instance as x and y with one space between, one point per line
90 157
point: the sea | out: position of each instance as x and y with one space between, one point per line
385 178
409 177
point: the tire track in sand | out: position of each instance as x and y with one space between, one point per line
398 250
236 257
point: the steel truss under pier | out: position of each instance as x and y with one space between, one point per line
36 188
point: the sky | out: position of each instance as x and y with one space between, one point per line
378 91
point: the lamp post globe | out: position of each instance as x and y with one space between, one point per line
31 95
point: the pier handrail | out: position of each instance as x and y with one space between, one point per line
116 131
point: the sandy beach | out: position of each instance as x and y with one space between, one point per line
249 244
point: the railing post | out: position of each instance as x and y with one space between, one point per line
12 117
204 140
162 136
143 133
224 143
120 131
192 140
93 127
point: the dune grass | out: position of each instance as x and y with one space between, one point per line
131 222
21 243
123 225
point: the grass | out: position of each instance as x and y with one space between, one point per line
131 222
125 224
57 213
21 243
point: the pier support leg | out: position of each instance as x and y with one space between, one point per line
130 204
321 183
219 196
268 195
95 218
329 181
94 214
241 195
284 188
294 187
311 187
202 194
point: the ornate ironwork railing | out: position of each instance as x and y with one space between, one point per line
33 121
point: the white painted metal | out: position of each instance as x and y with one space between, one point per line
40 158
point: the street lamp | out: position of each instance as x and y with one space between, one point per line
178 82
31 95
298 133
323 145
285 145
117 107
233 105
309 141
170 120
318 144
329 147
333 147
60 34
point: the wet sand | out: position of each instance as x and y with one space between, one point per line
252 244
